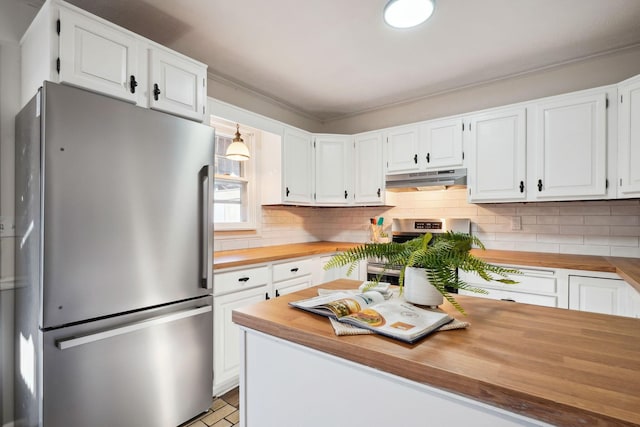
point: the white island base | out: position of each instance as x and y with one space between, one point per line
288 385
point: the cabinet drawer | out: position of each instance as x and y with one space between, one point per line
544 300
291 269
542 281
293 285
238 280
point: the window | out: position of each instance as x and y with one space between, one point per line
234 206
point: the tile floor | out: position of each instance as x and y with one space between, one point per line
223 412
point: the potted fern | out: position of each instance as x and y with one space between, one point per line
428 268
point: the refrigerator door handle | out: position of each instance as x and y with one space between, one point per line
64 344
206 247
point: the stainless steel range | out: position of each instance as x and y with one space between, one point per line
404 229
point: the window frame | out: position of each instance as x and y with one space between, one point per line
250 136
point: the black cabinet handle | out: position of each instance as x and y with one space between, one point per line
507 299
378 192
415 159
539 185
345 194
294 270
428 158
156 91
266 295
277 293
287 192
133 84
243 279
522 186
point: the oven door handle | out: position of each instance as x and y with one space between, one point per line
381 270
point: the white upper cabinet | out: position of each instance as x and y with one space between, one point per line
497 159
570 159
65 44
629 138
369 169
334 174
176 85
441 144
297 167
402 150
97 56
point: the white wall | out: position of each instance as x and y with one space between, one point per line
589 73
15 16
607 228
226 91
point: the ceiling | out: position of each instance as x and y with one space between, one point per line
329 59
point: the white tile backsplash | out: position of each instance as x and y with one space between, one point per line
584 227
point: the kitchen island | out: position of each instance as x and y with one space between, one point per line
517 364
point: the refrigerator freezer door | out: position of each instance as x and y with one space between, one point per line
125 206
130 370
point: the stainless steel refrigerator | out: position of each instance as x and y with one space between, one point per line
113 263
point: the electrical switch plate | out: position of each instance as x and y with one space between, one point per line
516 223
7 226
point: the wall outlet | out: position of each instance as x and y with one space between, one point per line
7 226
516 223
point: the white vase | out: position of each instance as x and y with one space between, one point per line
418 290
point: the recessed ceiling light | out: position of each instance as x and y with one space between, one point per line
407 13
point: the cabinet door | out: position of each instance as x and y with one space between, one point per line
598 295
226 345
369 169
571 147
497 162
402 150
334 173
441 142
298 167
629 138
176 85
97 56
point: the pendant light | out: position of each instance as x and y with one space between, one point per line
407 13
238 150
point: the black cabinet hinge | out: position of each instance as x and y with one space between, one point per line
620 99
462 126
58 65
606 183
463 155
606 103
314 143
58 27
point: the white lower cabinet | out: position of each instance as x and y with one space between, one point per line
292 276
580 290
226 345
600 295
238 287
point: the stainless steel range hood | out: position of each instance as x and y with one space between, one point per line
419 181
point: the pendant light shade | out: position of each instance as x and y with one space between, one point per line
237 150
407 13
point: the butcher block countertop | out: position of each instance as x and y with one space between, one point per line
564 367
626 268
240 257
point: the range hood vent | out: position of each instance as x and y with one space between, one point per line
419 181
